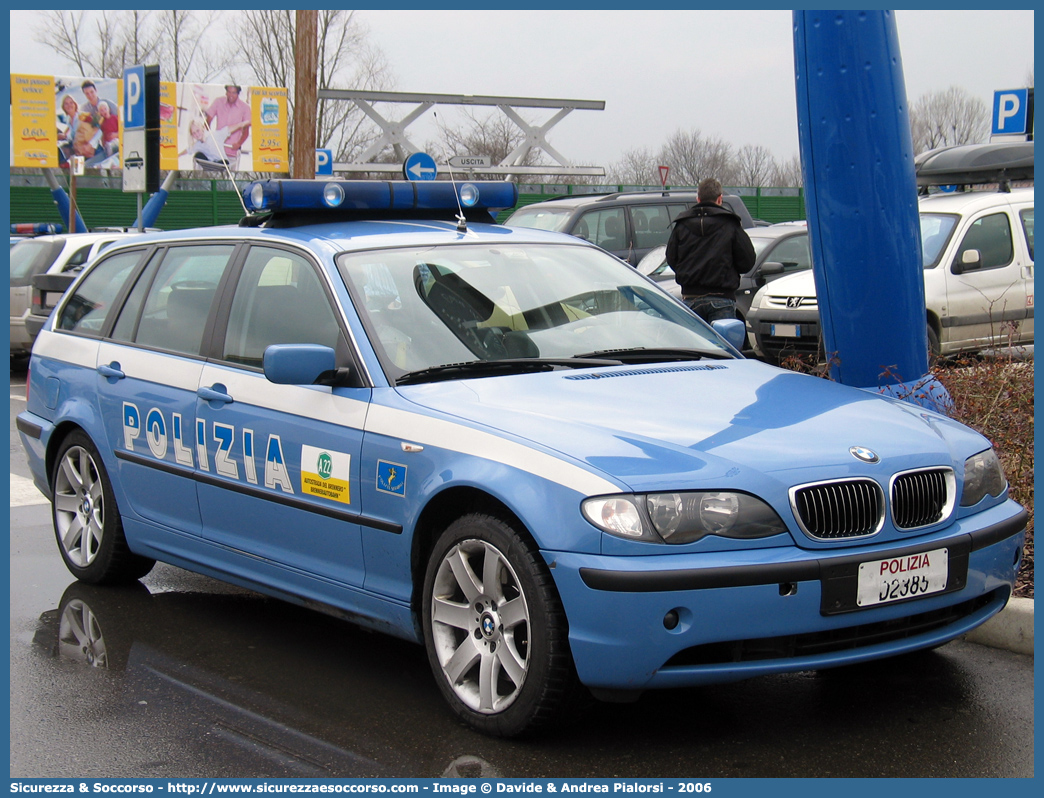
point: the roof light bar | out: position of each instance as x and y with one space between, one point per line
39 228
264 196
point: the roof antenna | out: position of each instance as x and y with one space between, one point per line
462 223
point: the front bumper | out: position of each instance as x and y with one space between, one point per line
669 621
780 334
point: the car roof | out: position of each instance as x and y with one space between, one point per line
78 238
627 197
971 201
340 236
778 230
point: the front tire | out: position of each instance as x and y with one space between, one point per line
495 630
87 522
934 349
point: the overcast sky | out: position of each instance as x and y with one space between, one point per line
729 74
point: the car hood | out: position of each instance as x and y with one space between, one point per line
690 425
800 283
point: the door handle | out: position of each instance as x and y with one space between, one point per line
216 393
111 371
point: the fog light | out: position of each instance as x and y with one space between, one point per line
670 620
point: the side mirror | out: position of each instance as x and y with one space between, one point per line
971 259
767 270
732 330
298 364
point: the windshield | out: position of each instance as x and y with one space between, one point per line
935 232
32 257
761 243
540 218
434 306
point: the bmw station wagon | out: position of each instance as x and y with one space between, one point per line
371 399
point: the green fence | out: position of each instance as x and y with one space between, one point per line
202 203
205 203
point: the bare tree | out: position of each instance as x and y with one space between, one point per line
95 44
345 60
104 45
492 135
138 42
947 118
65 33
754 165
636 167
186 52
787 173
693 157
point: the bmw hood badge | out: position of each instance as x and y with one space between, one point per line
864 454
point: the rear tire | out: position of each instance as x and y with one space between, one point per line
87 522
495 630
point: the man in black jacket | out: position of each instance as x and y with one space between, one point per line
709 250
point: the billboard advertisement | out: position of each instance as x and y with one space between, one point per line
203 127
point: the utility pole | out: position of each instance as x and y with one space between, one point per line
305 94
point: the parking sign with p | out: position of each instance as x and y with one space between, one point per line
134 98
1010 112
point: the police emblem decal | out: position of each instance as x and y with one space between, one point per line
391 478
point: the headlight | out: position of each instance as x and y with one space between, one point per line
684 517
617 515
983 476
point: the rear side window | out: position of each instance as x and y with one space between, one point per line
32 257
991 236
179 299
607 229
91 303
652 224
78 258
1027 227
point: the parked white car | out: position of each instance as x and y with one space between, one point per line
50 254
978 280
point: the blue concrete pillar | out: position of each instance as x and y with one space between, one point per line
857 159
150 213
61 199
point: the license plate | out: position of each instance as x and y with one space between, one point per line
786 330
898 578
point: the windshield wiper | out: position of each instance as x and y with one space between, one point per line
508 365
641 354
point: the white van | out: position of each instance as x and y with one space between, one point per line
978 280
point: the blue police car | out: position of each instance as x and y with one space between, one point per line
371 399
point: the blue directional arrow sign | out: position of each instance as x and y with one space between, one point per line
420 166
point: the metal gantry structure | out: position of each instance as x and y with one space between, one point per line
394 130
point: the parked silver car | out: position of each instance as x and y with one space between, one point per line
781 249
